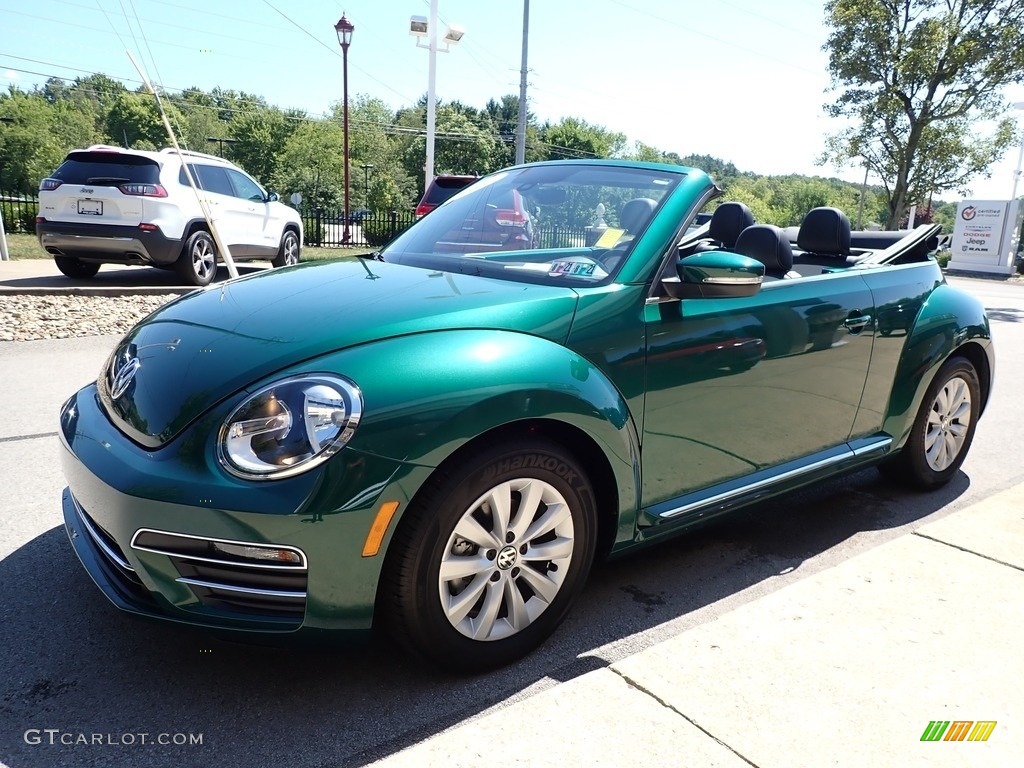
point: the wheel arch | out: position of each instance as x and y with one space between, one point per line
950 323
193 226
568 437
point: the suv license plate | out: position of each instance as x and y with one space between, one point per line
90 207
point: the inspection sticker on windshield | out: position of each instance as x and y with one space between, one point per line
574 268
609 238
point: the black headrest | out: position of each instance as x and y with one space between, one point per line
636 213
825 230
767 244
728 220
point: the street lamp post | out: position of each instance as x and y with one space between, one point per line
367 167
419 28
344 28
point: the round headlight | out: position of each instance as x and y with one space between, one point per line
289 426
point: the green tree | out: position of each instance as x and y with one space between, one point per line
38 137
260 137
134 121
373 141
916 77
311 164
573 138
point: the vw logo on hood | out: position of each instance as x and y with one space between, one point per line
122 373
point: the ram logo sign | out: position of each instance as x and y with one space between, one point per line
958 730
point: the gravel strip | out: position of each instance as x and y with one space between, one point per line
28 318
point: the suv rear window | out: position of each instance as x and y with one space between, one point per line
107 169
444 187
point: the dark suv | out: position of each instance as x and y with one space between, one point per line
439 190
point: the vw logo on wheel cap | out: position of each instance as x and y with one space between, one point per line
123 376
507 558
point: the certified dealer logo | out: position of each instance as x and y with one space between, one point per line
968 213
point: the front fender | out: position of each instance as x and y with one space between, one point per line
950 321
427 395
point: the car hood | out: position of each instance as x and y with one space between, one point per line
201 348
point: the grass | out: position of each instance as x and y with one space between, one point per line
25 247
22 246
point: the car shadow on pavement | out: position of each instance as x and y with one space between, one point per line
74 663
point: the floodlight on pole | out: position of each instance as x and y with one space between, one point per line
420 27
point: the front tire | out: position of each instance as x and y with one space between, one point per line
943 430
288 253
198 261
489 559
72 267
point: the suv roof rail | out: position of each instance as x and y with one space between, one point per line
190 153
107 147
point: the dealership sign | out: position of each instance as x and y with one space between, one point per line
985 236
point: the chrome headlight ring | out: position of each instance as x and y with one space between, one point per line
289 427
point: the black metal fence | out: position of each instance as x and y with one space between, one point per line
19 212
328 229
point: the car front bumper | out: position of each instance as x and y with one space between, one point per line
154 555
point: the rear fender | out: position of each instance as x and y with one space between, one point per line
950 322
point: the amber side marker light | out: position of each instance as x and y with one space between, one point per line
380 526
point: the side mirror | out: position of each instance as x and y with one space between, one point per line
272 197
715 274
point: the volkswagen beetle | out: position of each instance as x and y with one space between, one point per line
439 440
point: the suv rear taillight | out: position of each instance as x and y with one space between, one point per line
423 209
47 185
510 218
145 190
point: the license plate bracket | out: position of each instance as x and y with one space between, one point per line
90 207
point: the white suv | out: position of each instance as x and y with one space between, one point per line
125 206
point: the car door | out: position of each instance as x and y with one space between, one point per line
258 232
220 199
741 385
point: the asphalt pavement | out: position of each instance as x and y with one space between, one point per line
860 663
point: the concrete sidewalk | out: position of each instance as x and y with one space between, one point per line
41 277
845 668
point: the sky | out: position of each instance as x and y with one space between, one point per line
741 80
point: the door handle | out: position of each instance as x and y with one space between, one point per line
857 324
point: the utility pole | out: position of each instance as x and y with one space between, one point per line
521 127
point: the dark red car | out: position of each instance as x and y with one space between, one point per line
439 190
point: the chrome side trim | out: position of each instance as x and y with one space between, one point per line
303 565
246 590
727 495
98 540
732 280
883 442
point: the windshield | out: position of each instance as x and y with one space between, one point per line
560 224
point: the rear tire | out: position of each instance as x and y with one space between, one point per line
943 430
288 253
72 267
197 264
489 559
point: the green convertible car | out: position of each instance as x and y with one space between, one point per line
554 366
